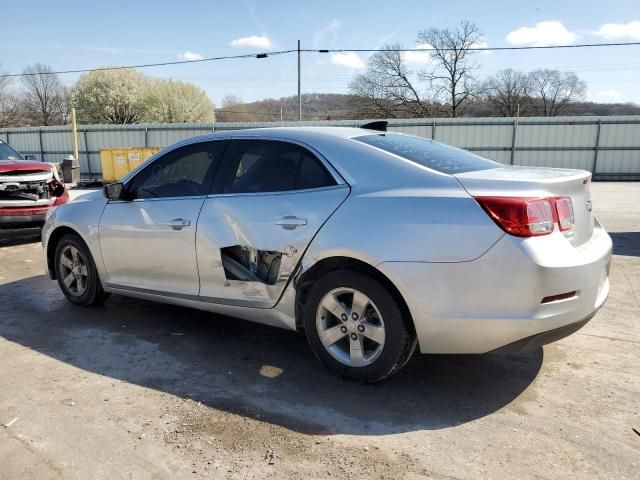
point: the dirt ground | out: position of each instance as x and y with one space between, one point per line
138 390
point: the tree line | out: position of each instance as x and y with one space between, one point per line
118 96
448 85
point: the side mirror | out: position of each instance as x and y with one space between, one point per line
114 191
30 157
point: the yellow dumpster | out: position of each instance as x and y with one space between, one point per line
117 162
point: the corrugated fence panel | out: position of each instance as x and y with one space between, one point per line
24 141
114 138
167 135
556 135
568 142
556 159
618 161
419 130
620 135
498 156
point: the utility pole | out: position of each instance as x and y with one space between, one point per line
299 94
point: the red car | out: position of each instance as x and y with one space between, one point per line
28 189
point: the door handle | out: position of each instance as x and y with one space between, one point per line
291 222
177 223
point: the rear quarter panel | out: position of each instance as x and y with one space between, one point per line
399 211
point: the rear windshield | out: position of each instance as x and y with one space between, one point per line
8 153
428 153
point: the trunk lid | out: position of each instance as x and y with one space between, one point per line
537 183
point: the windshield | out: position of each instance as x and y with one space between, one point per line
8 153
425 152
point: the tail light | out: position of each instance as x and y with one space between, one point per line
564 211
529 217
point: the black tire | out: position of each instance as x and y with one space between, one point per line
93 293
400 340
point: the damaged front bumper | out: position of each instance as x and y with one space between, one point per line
27 196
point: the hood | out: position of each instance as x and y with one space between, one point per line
23 165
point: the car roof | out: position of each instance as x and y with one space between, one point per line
291 133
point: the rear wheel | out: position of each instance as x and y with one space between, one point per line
76 272
356 327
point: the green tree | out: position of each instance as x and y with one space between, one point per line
110 96
171 101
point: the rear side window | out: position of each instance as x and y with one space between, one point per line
263 166
434 155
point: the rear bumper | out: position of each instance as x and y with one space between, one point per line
497 300
543 338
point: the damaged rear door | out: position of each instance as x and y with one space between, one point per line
272 200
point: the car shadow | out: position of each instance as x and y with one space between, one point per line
626 243
253 370
21 236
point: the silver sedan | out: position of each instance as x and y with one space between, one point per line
372 243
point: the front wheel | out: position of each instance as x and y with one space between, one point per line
356 327
76 272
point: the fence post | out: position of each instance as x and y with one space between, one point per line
596 149
513 140
40 142
146 136
86 152
433 130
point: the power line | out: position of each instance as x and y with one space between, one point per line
146 65
473 49
332 50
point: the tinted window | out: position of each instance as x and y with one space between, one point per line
184 172
265 166
428 153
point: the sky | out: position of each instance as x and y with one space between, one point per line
86 34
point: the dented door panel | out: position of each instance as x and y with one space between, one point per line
248 245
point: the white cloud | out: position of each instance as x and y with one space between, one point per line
481 44
348 59
420 58
254 41
326 34
190 56
606 96
619 31
544 34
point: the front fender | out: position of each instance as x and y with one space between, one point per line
82 216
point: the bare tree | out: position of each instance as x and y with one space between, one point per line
553 91
452 77
230 100
9 103
44 95
508 92
388 88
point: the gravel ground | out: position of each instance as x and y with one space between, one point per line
147 391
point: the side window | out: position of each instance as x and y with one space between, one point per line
269 166
184 172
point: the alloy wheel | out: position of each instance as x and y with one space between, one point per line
74 270
350 327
